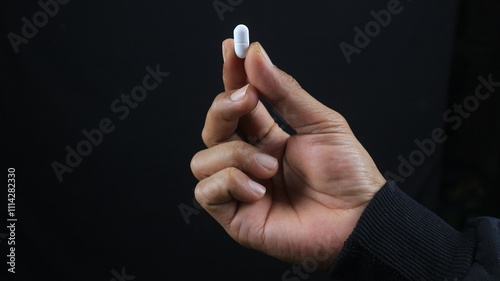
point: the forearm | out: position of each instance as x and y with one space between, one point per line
398 239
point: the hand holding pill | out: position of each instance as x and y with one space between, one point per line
290 196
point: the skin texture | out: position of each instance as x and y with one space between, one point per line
317 183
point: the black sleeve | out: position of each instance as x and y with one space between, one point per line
398 239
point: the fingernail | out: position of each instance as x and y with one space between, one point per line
266 161
257 188
239 94
264 54
223 52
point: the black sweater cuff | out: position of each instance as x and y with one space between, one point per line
398 239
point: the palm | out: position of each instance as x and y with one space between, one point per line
309 205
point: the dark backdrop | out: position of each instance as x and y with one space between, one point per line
120 208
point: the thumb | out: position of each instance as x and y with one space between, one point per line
304 114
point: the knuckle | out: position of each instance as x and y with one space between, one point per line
199 193
292 88
195 165
231 178
207 190
216 104
207 139
213 188
216 111
292 84
336 120
237 149
231 174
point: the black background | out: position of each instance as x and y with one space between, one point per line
120 206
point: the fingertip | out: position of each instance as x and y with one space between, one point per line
266 161
244 99
227 46
240 94
262 52
257 57
194 165
257 188
259 68
234 76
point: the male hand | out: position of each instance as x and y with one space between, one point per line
292 197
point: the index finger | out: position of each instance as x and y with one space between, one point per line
224 115
233 73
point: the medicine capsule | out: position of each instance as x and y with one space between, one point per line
241 41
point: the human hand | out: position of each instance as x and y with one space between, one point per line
288 196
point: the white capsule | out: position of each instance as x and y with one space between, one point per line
241 41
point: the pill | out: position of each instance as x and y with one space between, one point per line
241 40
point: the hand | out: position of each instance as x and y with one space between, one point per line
291 197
